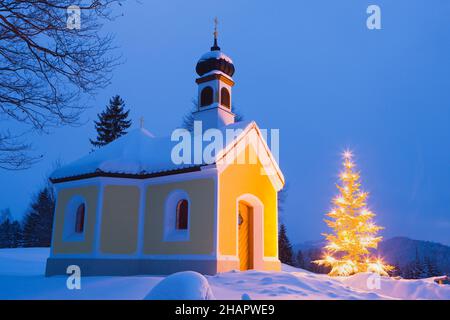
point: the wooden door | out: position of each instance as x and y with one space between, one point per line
245 245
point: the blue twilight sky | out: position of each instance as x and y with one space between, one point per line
311 69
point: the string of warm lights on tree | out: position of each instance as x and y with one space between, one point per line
354 233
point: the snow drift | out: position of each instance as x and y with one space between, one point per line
187 285
22 277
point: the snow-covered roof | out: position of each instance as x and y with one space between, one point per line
215 54
139 153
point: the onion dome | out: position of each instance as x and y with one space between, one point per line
215 60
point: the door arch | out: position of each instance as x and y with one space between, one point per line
249 233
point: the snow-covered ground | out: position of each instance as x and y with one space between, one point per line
22 277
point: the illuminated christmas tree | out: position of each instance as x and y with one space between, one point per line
348 248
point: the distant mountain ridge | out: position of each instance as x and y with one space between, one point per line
399 251
402 251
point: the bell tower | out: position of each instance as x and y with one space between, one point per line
215 83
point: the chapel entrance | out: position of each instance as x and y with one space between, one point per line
245 244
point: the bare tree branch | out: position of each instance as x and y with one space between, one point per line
45 67
14 153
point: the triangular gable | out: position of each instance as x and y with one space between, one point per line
251 135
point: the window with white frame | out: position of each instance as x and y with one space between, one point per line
74 219
177 216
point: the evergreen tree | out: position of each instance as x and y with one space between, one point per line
37 225
396 270
5 214
4 234
407 271
300 260
16 234
284 247
417 270
112 123
10 234
430 267
354 232
282 196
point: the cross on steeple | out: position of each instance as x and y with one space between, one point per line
216 23
215 47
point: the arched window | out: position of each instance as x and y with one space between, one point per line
182 215
176 216
79 219
206 97
225 97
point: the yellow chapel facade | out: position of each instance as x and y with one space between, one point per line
128 208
